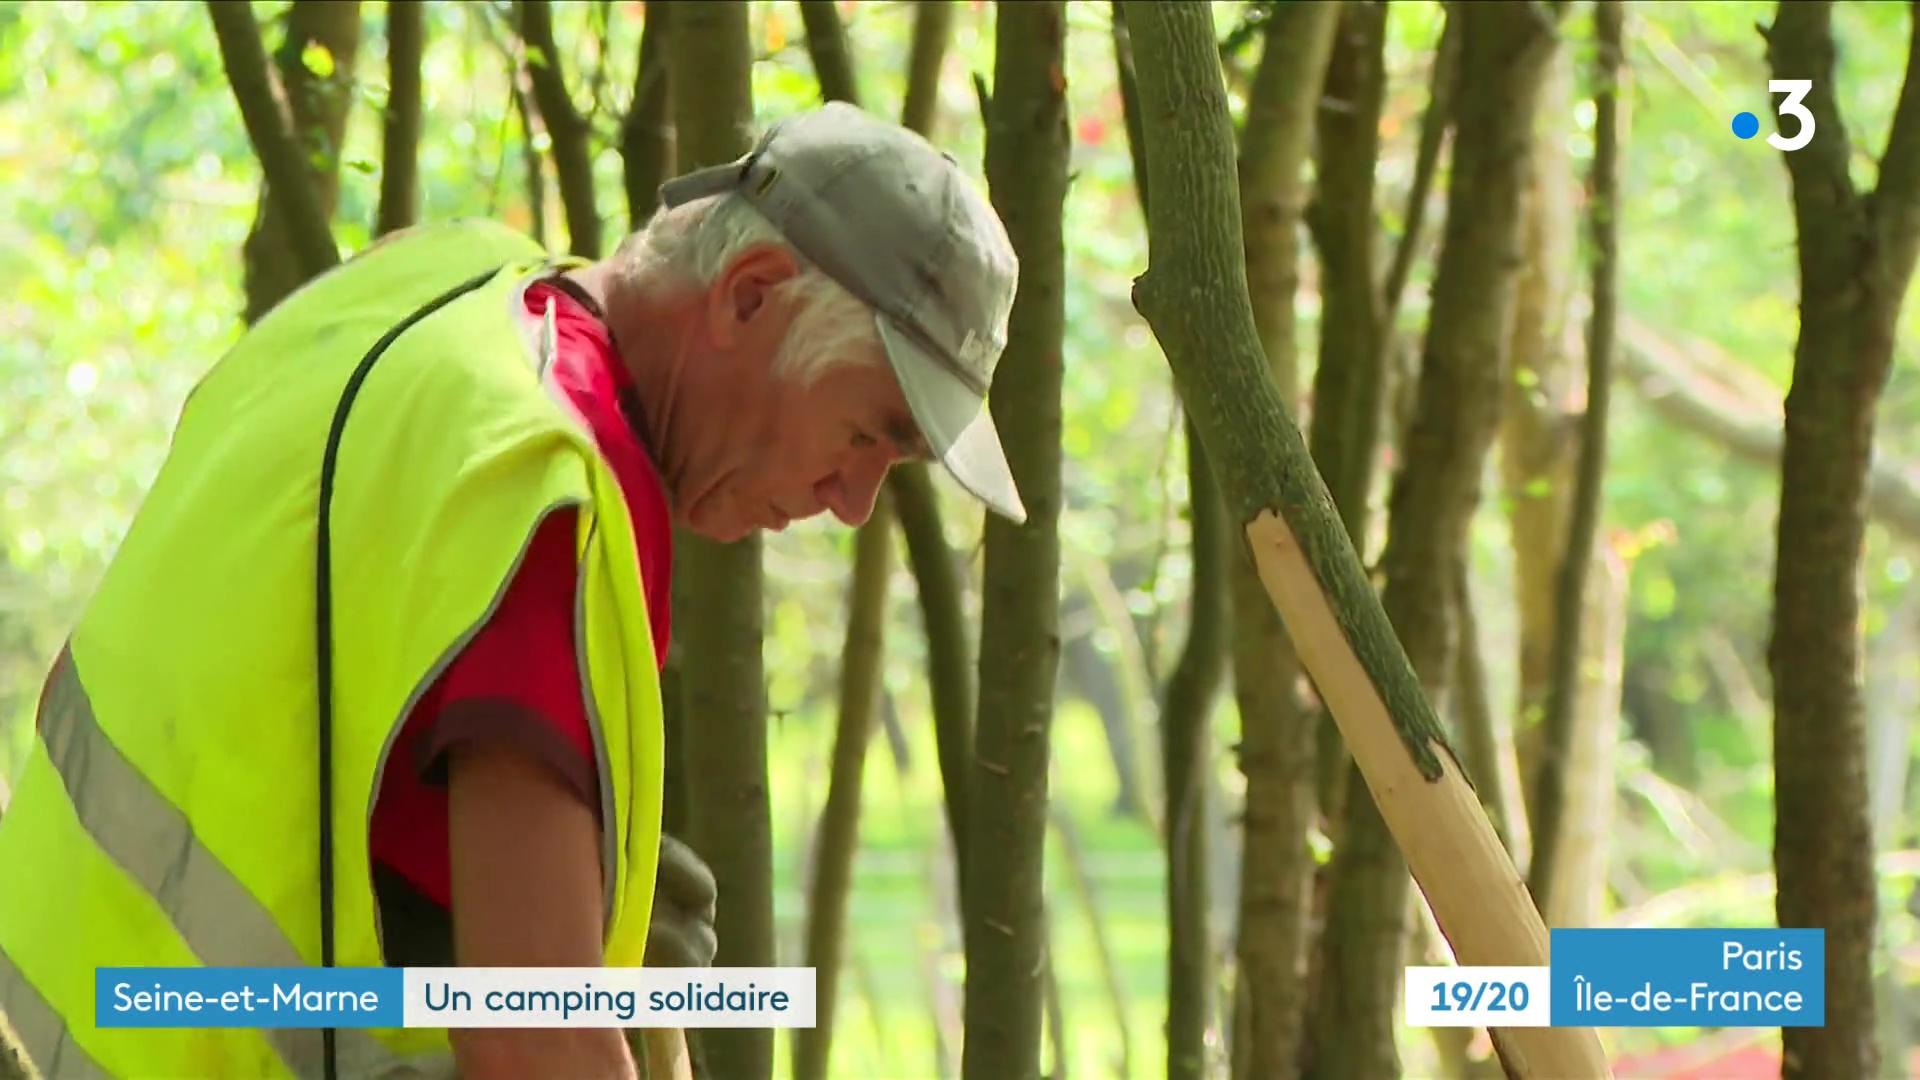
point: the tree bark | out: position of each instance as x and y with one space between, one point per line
1434 494
932 27
400 137
1443 85
910 484
838 838
943 618
1185 757
1344 437
572 138
1539 436
936 573
1193 295
827 45
1185 720
1489 762
1027 150
717 587
646 133
1276 752
1576 895
1583 518
291 239
1856 260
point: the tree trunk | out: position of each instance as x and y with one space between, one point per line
827 45
1539 430
1444 81
1276 752
646 134
1576 894
1073 855
1489 757
1193 295
400 141
572 138
717 590
1892 700
1019 642
943 618
936 573
932 26
1186 756
839 835
298 150
1576 552
1506 46
1856 260
910 484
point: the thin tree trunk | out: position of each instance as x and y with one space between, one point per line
949 653
935 572
827 45
1856 260
400 140
1489 760
1583 519
1019 643
839 835
646 133
1073 854
1539 436
566 127
1193 296
1185 721
1434 125
1276 753
911 485
1892 699
1576 895
1186 755
532 162
932 26
298 223
717 588
1056 1013
1347 382
1434 495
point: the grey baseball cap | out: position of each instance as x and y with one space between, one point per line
896 223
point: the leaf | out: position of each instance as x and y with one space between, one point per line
318 59
362 165
537 56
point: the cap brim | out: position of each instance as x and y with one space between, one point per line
955 422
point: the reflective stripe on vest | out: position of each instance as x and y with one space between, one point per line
151 840
38 1031
168 800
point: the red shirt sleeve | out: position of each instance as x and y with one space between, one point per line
516 681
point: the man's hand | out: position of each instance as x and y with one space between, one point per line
680 933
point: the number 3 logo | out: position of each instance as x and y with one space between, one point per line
1796 91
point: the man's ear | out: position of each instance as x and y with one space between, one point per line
739 294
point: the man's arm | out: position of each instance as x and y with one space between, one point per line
525 854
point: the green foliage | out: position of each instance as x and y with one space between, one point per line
130 187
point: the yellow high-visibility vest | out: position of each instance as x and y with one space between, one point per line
170 810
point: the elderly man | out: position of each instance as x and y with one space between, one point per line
373 677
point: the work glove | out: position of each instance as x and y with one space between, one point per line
681 931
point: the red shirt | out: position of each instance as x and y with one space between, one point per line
524 654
